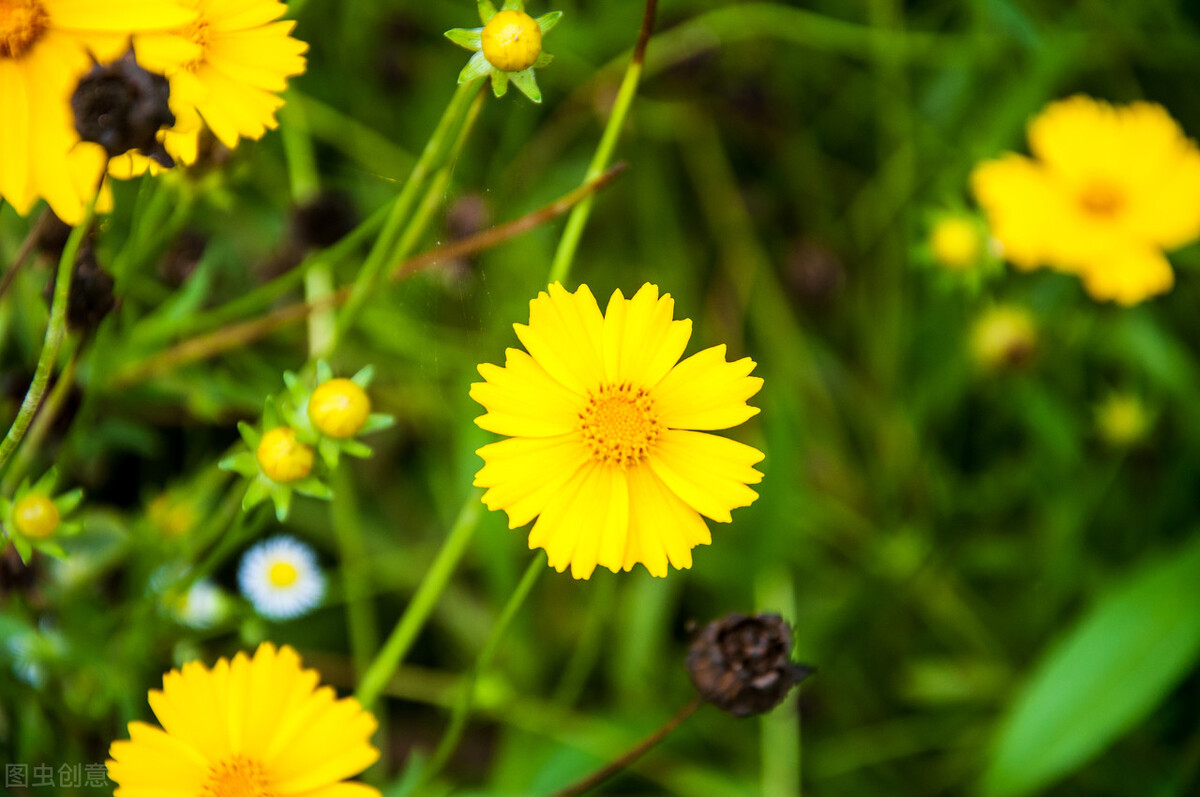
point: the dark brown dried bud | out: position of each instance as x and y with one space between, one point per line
324 220
743 664
91 296
121 106
52 234
181 259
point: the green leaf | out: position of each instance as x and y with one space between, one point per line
544 60
23 549
243 462
364 376
249 434
52 549
470 38
324 372
45 485
314 488
1102 679
377 422
357 449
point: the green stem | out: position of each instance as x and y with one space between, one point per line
421 606
360 611
56 330
41 425
431 159
569 242
466 696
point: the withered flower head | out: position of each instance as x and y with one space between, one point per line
121 106
91 297
743 665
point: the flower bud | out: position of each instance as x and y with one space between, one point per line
36 516
1004 337
512 41
282 457
91 296
121 106
339 408
956 242
742 664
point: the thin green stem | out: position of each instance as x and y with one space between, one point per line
421 606
431 159
569 243
56 330
466 696
360 611
41 425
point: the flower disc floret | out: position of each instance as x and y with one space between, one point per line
282 457
22 22
338 408
36 516
512 41
619 424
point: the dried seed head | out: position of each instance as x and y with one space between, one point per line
91 297
121 106
742 664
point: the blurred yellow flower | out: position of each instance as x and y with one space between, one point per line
45 47
1109 188
1004 336
256 726
603 421
1122 420
956 242
226 67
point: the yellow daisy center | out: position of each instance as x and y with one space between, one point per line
36 516
619 424
512 41
1102 200
22 22
236 777
282 574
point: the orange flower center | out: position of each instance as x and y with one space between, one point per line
1102 200
236 777
22 22
619 424
197 33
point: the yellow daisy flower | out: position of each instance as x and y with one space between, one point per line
251 727
1108 189
45 47
604 421
226 69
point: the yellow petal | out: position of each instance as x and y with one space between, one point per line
1128 275
523 400
14 136
523 474
641 341
119 16
662 528
708 472
565 334
705 392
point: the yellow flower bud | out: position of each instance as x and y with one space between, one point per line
36 516
283 458
339 408
1004 337
956 242
1122 420
512 41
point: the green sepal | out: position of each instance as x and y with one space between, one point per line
499 83
544 60
354 448
486 11
377 421
282 498
249 434
23 549
548 21
67 502
514 5
329 451
324 372
476 68
45 485
22 490
270 414
527 83
69 528
470 38
242 462
256 493
6 507
51 549
364 377
313 488
292 381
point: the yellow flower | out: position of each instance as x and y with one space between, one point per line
282 457
1003 337
226 67
602 418
1122 420
339 408
1108 190
251 727
956 242
45 47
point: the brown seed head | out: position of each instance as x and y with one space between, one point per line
742 664
121 106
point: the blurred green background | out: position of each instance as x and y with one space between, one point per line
996 595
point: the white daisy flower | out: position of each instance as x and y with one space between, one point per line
280 578
203 606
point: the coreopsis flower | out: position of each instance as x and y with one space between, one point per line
280 578
743 664
35 518
226 67
1109 189
276 464
507 47
1004 336
333 414
250 726
46 46
608 447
